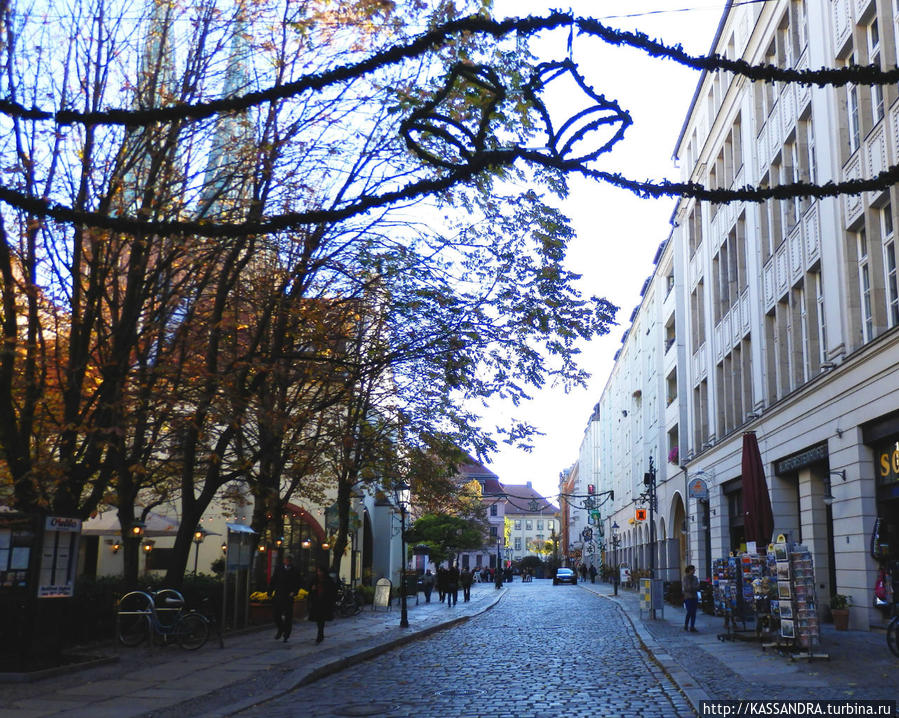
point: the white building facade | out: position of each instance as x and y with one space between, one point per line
778 318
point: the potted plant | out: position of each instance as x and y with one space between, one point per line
260 608
300 605
839 609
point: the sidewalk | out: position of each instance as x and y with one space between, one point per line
251 668
860 666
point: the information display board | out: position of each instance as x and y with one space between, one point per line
382 593
59 557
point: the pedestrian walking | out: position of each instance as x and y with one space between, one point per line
283 586
583 571
441 583
427 583
322 597
465 579
452 585
690 589
592 573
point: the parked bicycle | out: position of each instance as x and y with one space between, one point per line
159 615
349 600
893 633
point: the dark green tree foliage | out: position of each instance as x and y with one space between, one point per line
446 535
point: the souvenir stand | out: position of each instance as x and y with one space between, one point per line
795 611
731 580
743 588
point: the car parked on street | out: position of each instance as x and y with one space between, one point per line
564 575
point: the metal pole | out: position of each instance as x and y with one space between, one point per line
686 528
651 491
404 611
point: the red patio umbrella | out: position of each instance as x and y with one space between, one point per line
758 518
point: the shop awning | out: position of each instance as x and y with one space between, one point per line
107 524
240 529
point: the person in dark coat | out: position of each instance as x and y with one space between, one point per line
427 583
466 578
283 586
441 583
690 589
322 598
452 585
592 573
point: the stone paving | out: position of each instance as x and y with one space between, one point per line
542 651
858 665
527 650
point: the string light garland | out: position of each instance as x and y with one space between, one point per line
474 25
464 152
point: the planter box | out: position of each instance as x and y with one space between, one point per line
261 613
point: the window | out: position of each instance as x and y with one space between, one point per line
819 304
889 258
873 32
799 23
809 129
795 177
493 509
889 264
539 525
528 525
886 220
671 387
518 524
802 373
864 287
160 559
493 532
518 543
852 116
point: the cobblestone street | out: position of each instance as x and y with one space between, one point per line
529 656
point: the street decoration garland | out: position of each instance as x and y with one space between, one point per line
459 151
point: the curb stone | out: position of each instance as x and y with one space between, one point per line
685 683
299 677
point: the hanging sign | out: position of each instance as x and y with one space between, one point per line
698 489
640 515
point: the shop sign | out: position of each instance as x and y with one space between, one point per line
640 515
888 463
802 459
698 489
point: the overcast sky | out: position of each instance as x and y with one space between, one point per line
617 234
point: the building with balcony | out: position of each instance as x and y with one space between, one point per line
777 317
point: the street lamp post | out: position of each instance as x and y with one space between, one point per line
199 535
649 480
401 501
615 570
